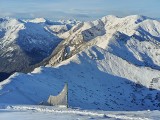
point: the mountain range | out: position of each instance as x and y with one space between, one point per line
111 63
24 43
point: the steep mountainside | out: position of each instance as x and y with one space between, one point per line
26 42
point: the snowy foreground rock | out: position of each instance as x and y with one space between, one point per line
109 64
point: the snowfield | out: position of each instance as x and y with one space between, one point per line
61 113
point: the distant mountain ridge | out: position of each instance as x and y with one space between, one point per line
26 42
137 36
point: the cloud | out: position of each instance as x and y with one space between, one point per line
76 9
5 14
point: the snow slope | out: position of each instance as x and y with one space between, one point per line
50 113
97 79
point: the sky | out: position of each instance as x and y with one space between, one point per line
78 9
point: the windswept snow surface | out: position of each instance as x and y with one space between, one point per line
50 113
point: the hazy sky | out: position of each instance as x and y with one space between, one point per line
78 9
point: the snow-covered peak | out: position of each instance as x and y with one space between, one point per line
108 17
71 22
6 22
122 34
38 20
110 25
25 41
9 28
138 18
